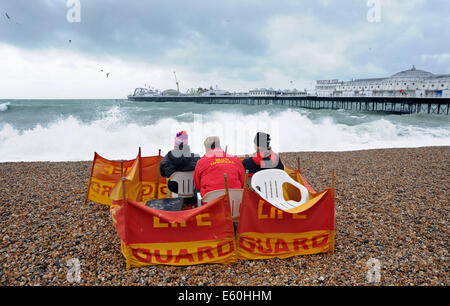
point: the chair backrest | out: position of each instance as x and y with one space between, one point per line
235 199
185 182
269 185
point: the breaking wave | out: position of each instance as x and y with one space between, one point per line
4 107
114 136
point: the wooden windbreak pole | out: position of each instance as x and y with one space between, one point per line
124 194
333 194
226 182
245 179
158 174
246 188
124 199
227 192
125 206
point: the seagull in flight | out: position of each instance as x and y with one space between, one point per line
9 18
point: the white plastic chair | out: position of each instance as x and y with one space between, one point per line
185 182
235 199
269 185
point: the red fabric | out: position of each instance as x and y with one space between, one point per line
209 171
142 223
258 158
257 216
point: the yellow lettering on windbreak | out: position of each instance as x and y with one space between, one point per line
274 210
260 212
158 224
175 224
201 222
110 170
107 170
117 170
299 216
273 214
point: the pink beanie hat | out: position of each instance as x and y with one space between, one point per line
181 138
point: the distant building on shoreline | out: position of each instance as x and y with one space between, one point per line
408 83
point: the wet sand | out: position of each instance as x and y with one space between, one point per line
391 208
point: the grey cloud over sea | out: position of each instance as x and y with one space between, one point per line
242 39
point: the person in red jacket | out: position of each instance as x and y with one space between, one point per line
210 169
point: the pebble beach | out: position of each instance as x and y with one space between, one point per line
391 209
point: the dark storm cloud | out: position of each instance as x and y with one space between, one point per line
150 27
145 30
226 35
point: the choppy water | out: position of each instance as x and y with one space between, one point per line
71 130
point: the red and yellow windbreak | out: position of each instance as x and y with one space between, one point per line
154 237
106 173
205 234
265 231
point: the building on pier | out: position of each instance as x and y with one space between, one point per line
294 92
327 88
409 83
263 92
216 92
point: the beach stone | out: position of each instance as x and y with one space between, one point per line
391 205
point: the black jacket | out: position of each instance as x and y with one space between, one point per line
178 160
252 167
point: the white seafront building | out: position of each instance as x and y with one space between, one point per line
263 92
409 83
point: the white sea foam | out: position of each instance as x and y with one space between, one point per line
4 107
116 137
185 115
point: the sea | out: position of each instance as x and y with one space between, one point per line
73 130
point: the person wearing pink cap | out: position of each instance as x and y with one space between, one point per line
180 158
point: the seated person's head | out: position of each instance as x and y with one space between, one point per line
211 143
262 142
181 139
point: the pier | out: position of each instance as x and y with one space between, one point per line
396 105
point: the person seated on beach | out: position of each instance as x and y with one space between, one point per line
178 159
264 157
210 169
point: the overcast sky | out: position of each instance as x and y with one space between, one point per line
236 45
